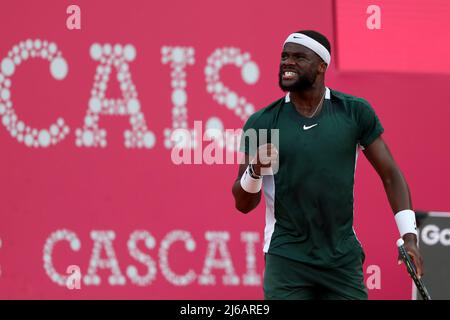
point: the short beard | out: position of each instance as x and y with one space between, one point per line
303 83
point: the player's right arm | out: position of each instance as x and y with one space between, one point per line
246 201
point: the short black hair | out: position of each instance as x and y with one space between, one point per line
318 37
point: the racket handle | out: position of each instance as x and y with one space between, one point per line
412 270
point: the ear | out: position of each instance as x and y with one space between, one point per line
322 67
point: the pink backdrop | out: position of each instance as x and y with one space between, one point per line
172 230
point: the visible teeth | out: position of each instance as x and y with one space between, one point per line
289 73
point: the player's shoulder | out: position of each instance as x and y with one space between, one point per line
265 116
353 104
349 99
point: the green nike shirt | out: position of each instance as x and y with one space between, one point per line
309 201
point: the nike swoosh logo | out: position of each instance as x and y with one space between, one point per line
297 37
309 127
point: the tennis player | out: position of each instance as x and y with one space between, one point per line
311 250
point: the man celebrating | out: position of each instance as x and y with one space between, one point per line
311 250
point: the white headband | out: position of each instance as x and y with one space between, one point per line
310 43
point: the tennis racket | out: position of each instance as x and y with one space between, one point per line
412 270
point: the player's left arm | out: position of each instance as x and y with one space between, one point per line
396 189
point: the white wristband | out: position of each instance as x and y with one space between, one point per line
406 222
249 184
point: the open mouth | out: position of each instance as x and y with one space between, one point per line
289 75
